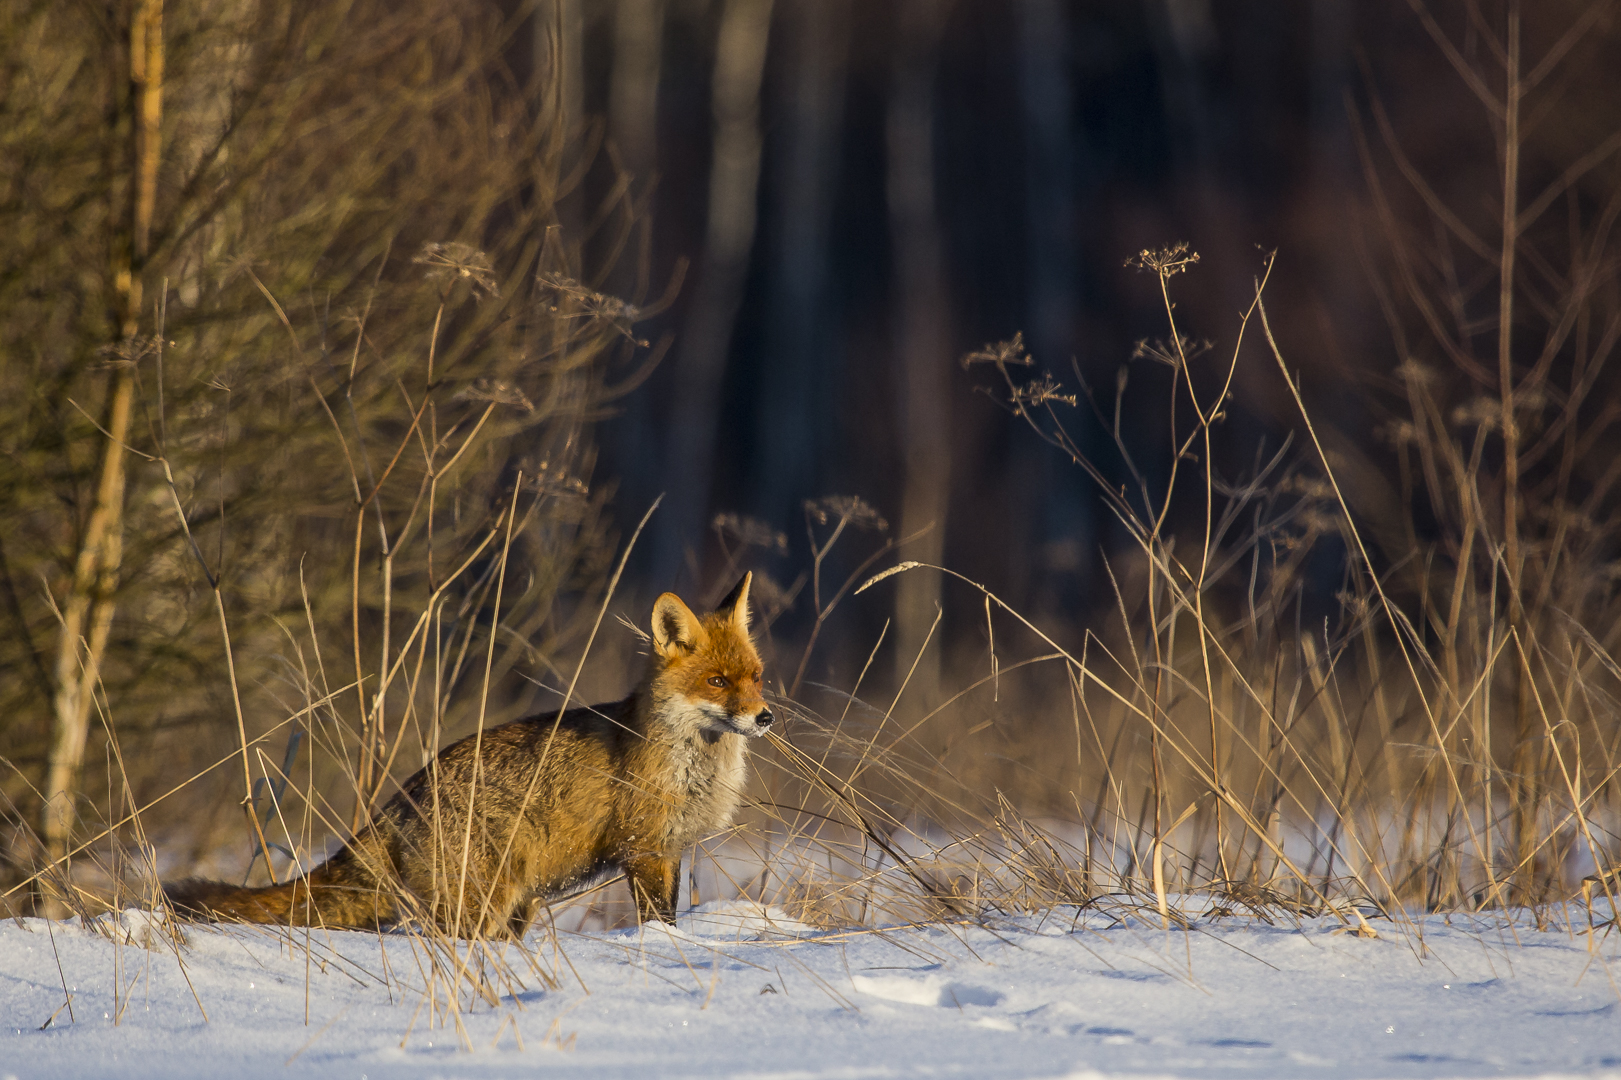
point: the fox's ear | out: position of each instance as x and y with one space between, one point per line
736 604
674 625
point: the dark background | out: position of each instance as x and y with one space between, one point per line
1060 138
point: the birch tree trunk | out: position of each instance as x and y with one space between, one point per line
922 338
795 405
729 236
1048 513
633 91
87 612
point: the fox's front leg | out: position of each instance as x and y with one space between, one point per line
653 883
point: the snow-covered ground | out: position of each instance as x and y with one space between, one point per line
737 991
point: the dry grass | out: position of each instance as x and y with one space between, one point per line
1221 758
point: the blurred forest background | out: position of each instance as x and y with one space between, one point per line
871 191
439 282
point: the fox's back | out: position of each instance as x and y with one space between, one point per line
542 793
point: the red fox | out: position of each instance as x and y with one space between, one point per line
529 809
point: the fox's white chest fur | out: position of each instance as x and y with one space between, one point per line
705 778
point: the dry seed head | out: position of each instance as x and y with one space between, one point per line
1000 353
1309 487
132 350
1170 353
499 391
1166 261
590 303
1317 520
1040 392
851 509
1414 372
1397 432
1292 541
767 598
750 532
555 481
1481 412
448 263
1355 604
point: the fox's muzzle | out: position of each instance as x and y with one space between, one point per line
751 726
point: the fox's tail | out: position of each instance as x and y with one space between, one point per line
334 894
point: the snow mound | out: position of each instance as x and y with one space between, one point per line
933 990
135 926
740 920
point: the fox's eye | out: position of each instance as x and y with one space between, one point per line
717 680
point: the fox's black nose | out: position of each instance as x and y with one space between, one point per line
763 718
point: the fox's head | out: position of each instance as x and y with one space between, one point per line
709 664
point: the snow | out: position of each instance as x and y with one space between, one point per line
736 990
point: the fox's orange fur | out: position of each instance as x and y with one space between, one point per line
555 800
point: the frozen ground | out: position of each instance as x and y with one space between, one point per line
734 994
